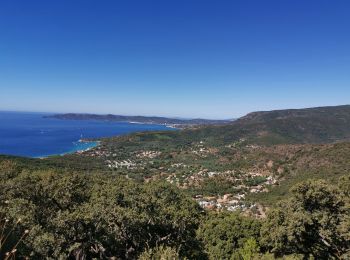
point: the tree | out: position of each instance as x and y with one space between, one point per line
249 250
78 215
311 222
224 233
160 253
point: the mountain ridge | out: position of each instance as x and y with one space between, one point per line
310 125
138 119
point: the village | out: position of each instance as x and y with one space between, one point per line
196 178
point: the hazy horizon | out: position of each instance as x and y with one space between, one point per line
167 116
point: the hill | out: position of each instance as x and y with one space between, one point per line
260 155
311 125
139 119
190 190
291 126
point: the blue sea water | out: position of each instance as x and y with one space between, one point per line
32 135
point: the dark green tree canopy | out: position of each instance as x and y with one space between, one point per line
312 222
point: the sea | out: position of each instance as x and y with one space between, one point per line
32 135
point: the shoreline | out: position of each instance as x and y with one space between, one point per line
174 126
73 151
81 141
44 143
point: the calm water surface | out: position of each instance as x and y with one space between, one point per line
32 135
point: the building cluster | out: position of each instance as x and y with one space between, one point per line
148 154
243 182
99 151
128 164
239 180
199 149
230 202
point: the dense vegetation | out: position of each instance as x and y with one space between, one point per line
83 216
314 125
134 197
72 214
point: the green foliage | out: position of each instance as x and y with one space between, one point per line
255 181
314 221
91 215
249 250
224 234
73 214
12 233
214 186
160 253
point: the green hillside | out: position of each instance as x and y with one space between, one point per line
271 185
312 125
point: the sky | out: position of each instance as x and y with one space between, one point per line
177 58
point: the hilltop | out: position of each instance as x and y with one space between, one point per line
310 125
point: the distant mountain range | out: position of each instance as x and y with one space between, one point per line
310 125
139 119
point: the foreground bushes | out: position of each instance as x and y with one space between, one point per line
85 216
313 222
223 234
72 215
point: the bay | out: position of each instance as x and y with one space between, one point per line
33 135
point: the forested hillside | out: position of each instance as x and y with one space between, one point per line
272 185
70 215
313 125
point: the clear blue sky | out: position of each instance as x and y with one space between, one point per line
187 58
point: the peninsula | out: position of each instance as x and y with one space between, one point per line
176 122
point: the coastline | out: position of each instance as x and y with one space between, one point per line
34 135
78 150
95 144
174 126
82 146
